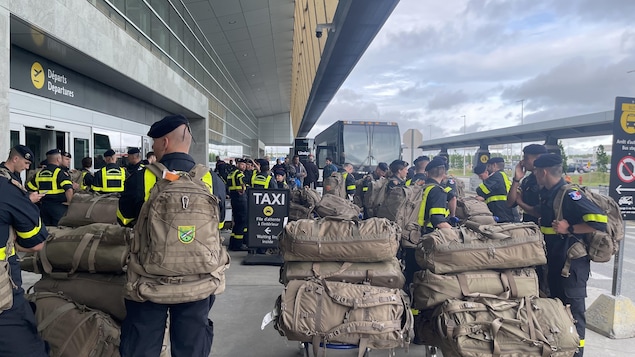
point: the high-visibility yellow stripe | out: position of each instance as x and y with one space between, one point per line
124 220
581 345
207 178
82 186
149 180
364 189
221 225
447 189
3 253
547 230
46 176
496 198
350 187
438 210
408 182
31 186
421 219
261 181
484 189
593 217
508 183
32 232
235 180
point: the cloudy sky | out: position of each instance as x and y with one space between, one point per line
435 61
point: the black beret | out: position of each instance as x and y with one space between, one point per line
397 165
24 151
436 162
239 160
279 172
535 149
166 125
548 160
53 152
495 160
44 163
109 152
382 166
133 151
479 169
421 158
67 154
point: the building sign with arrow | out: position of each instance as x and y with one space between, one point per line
622 182
268 211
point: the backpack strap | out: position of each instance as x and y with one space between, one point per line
198 171
157 169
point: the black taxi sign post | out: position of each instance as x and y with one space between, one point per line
268 212
622 179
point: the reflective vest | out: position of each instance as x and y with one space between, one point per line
235 180
348 187
261 181
82 185
493 198
424 217
112 180
46 182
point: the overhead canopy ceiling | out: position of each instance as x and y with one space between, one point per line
565 128
254 39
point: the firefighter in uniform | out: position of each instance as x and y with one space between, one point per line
579 216
399 170
494 191
19 160
19 221
349 179
264 178
134 161
87 178
419 175
524 192
191 332
57 187
237 187
111 177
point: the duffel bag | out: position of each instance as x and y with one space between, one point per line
430 289
87 208
475 247
73 330
297 211
387 274
469 208
334 206
103 292
95 248
328 239
528 327
360 314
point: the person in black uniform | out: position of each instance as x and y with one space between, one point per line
191 332
237 187
55 183
19 160
579 216
87 178
111 177
134 161
18 326
419 174
449 185
263 179
494 191
349 178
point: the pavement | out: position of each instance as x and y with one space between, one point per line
252 291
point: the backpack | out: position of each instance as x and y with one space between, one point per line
177 241
402 205
334 206
600 246
335 185
374 196
471 209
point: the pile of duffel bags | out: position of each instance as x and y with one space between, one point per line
343 283
80 297
478 293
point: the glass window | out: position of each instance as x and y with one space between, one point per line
15 138
80 151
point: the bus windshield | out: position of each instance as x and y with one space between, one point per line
369 145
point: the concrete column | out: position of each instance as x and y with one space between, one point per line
5 46
199 150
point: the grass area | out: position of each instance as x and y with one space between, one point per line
588 179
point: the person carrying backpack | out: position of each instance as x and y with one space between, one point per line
579 215
196 269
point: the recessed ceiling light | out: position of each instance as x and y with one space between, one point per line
253 75
232 22
244 55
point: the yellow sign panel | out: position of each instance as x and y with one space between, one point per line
268 211
627 120
483 158
37 75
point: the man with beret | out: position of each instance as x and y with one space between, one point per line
55 183
236 185
449 183
134 161
110 178
142 331
481 171
494 191
419 176
579 216
20 158
76 175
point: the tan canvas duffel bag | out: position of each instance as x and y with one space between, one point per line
387 273
528 327
469 208
87 208
103 292
74 330
297 211
95 248
360 314
338 207
430 290
472 247
328 239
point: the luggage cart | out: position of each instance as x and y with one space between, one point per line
333 346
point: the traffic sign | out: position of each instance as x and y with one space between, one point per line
622 181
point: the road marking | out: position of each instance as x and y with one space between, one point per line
598 276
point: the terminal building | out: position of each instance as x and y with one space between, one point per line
88 75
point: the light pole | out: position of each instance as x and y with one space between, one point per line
464 131
522 118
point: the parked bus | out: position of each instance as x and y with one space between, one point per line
302 147
361 143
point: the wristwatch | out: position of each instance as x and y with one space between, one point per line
570 229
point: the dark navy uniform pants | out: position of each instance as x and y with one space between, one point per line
52 212
191 331
239 214
18 329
